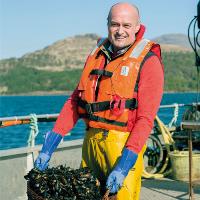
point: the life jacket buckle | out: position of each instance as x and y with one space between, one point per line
105 133
117 105
88 108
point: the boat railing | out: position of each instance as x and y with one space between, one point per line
34 119
20 120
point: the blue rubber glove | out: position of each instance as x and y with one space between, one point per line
117 176
50 144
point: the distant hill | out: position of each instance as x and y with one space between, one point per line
173 42
57 67
71 52
68 53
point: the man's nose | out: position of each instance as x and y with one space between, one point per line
120 30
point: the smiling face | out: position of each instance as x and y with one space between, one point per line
123 24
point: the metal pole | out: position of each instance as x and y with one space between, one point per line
43 116
190 126
190 165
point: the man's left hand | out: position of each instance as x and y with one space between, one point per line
115 181
117 176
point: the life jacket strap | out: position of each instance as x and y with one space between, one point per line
101 119
101 72
105 105
148 55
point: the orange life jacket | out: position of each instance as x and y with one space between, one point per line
116 89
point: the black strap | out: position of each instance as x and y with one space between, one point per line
105 105
101 72
149 54
101 119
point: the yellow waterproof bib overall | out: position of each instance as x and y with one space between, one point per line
101 151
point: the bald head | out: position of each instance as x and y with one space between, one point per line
125 8
123 24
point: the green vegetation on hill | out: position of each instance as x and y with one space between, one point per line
21 79
40 60
22 76
180 71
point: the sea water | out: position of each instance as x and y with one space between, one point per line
17 136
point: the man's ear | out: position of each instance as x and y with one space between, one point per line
137 28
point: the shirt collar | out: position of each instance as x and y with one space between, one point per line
119 52
108 51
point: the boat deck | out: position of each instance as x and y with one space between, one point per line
167 189
69 154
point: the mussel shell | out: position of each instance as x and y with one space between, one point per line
64 183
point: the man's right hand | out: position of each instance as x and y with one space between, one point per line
42 161
50 144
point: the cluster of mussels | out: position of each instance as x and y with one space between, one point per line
64 183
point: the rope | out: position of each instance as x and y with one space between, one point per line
168 141
105 197
34 130
175 117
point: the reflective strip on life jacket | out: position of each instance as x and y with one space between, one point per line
139 48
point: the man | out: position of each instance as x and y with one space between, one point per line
118 96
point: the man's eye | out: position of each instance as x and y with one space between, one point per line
114 25
127 26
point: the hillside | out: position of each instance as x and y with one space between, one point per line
63 54
173 39
173 42
57 67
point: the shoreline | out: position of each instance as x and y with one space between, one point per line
41 93
64 93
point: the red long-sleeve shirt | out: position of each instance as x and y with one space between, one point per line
150 90
149 96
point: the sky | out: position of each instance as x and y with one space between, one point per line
30 25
